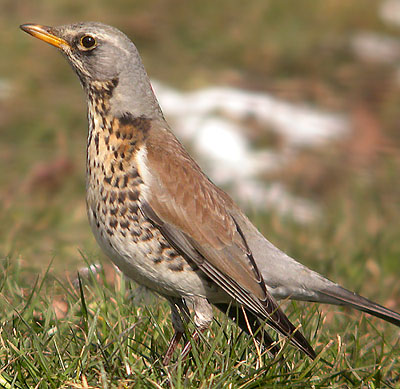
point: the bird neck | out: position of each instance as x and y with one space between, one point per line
134 94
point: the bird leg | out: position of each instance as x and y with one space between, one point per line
203 316
172 347
179 311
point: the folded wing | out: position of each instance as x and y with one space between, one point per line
194 216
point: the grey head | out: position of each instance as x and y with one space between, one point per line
102 55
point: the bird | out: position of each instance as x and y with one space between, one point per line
162 221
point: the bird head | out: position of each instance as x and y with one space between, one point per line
102 55
95 51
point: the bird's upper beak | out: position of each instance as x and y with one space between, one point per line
45 34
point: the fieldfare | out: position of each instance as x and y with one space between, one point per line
159 217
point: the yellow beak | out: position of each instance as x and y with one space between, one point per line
43 33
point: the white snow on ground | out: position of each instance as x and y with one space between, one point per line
301 125
211 121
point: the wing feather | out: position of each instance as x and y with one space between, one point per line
193 215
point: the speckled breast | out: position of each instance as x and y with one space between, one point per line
114 192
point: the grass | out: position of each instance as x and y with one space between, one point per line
100 331
89 333
56 334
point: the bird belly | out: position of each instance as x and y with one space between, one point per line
140 251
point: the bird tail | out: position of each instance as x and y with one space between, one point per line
335 294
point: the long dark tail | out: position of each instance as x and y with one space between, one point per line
341 296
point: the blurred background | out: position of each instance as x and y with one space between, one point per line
292 107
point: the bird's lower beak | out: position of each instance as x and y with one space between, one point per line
45 34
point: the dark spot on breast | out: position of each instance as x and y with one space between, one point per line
135 232
176 267
108 180
121 197
133 217
123 210
141 123
113 197
121 166
133 195
113 211
146 235
133 173
171 254
125 224
133 129
133 208
164 245
114 82
96 141
113 223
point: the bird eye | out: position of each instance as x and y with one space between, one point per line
88 42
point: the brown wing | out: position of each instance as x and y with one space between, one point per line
182 196
193 215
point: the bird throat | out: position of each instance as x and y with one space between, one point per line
113 143
112 137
